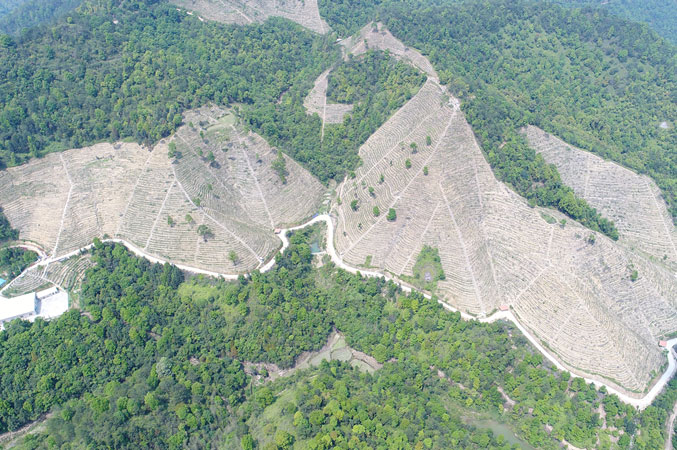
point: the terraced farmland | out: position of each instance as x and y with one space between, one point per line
221 177
572 288
632 201
243 12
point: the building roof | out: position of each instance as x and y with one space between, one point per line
663 343
504 307
2 281
11 308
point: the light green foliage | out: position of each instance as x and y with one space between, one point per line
279 165
161 365
428 269
376 211
14 260
392 215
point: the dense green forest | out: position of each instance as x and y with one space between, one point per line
7 233
377 84
87 79
14 260
593 79
158 362
660 15
26 14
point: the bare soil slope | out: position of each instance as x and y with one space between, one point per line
63 201
575 295
631 200
316 102
243 12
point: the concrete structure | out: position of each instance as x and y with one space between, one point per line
48 304
23 306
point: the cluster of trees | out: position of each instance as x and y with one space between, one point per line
157 361
14 260
658 14
373 74
128 71
7 233
22 14
587 76
594 80
376 84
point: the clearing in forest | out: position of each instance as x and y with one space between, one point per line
209 197
243 12
574 289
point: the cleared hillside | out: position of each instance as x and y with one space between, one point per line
219 177
573 292
632 201
243 12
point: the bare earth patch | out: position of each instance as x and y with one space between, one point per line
632 201
243 12
316 102
223 179
575 296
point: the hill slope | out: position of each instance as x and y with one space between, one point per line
495 249
221 177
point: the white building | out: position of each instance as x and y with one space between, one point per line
22 306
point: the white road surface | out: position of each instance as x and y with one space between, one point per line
638 402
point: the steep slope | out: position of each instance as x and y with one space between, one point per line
376 35
316 102
221 177
243 12
632 201
573 293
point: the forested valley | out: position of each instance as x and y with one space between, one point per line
156 360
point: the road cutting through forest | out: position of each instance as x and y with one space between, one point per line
639 403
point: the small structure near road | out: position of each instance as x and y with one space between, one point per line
504 307
663 344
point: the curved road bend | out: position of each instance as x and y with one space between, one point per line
639 403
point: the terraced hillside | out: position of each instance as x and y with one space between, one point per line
632 201
243 12
219 177
377 36
571 287
316 102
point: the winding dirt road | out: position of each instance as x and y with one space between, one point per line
639 403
